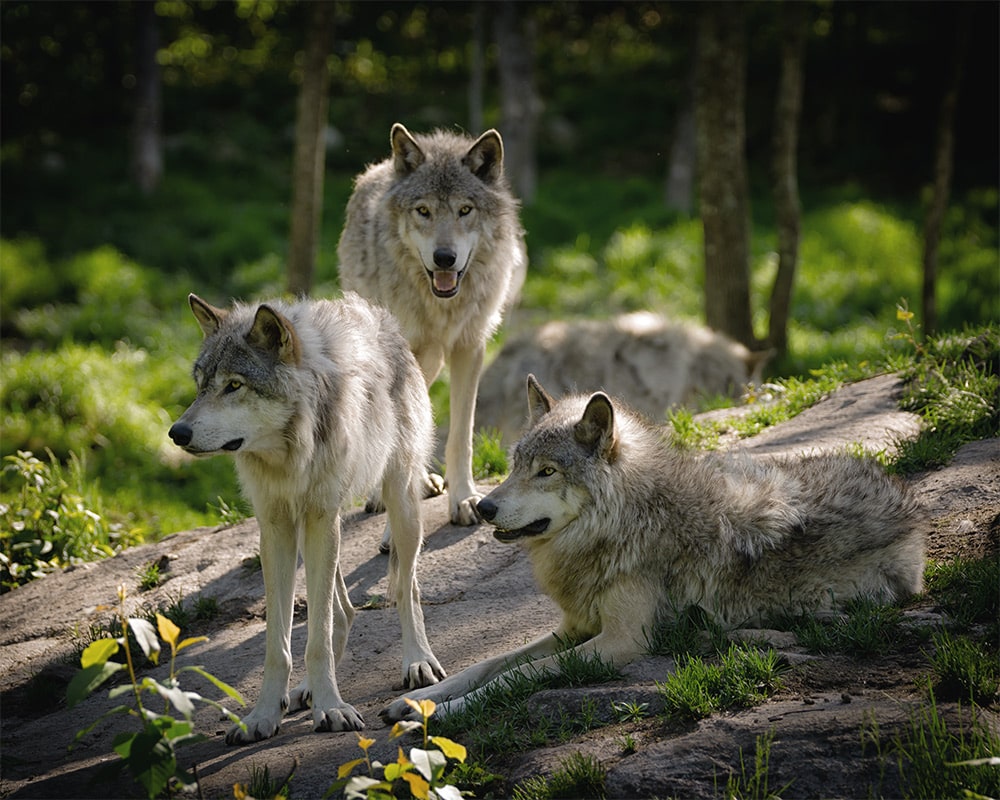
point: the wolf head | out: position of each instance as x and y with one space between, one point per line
239 406
445 194
554 463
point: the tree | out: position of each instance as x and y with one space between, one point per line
147 143
519 103
787 112
679 191
722 171
943 162
310 149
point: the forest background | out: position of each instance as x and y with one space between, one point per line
148 150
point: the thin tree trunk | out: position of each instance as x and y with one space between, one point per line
310 149
519 103
787 113
943 162
679 191
147 142
722 171
477 67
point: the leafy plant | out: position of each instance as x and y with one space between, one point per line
967 591
755 784
964 670
489 459
149 576
578 776
151 753
424 772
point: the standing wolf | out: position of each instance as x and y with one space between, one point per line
623 530
316 401
432 233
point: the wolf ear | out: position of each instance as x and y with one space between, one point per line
272 333
209 317
539 402
596 428
485 157
406 153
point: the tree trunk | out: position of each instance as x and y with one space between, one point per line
787 112
519 104
310 149
147 142
477 67
722 171
679 192
943 161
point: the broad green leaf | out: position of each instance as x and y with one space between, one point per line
168 630
449 748
345 769
88 679
220 685
150 759
98 652
145 635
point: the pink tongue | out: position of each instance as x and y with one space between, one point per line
445 281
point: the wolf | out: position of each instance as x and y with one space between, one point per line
655 362
315 401
623 530
433 234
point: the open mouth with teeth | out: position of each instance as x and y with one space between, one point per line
532 529
444 282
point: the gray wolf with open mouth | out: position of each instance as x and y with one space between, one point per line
624 530
432 233
316 401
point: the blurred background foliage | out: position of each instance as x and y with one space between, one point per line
97 337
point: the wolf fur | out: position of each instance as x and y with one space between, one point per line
315 401
432 233
623 530
653 363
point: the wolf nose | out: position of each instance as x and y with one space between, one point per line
444 257
181 434
487 509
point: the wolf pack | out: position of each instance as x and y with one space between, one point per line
321 401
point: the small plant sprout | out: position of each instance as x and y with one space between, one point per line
149 754
424 771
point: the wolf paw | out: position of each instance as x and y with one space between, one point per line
463 512
344 717
433 485
300 697
423 673
258 728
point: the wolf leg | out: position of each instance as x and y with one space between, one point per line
277 557
466 364
328 623
401 492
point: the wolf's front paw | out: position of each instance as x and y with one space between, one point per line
423 673
300 697
343 717
433 485
258 726
463 510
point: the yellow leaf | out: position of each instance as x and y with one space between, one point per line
904 315
419 788
424 707
364 743
168 631
190 641
345 769
240 791
403 727
449 748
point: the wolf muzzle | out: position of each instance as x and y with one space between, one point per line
488 511
181 434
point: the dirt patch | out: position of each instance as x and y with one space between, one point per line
479 600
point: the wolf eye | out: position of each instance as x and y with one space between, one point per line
423 211
232 386
546 472
464 211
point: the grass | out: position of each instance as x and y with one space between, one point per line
866 628
578 776
754 783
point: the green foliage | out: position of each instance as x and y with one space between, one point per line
426 773
489 458
866 628
934 759
262 786
967 591
578 776
964 670
51 518
755 784
743 676
149 576
150 754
